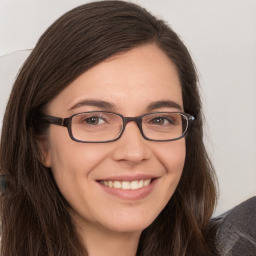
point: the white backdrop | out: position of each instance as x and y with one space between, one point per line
221 36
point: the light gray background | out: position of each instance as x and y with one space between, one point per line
221 36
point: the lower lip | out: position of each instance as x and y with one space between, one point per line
130 194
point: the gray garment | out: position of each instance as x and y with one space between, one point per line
236 232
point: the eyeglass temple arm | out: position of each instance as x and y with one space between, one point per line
53 120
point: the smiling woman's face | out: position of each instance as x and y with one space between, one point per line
130 83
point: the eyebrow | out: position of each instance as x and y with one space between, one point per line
163 104
110 106
95 103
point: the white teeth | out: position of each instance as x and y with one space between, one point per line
141 183
146 183
117 184
135 184
126 185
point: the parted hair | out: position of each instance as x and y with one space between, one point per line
34 215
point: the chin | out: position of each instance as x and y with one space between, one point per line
129 224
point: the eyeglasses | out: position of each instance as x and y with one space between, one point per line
102 126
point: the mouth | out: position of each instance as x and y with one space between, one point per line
126 185
129 188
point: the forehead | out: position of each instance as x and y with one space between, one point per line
129 80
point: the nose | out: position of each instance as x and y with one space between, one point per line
131 147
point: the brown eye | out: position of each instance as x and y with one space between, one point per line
93 120
161 121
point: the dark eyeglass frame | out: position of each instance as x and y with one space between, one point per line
66 122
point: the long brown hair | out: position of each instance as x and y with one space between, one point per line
35 220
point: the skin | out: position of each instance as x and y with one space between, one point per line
130 81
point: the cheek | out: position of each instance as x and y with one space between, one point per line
71 159
80 158
172 155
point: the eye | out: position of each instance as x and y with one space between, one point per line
94 120
161 121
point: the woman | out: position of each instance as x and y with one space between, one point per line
102 142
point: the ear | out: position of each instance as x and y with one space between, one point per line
45 151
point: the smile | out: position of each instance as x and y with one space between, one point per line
135 184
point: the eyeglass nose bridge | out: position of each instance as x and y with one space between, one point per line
137 120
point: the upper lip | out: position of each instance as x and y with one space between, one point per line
129 177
